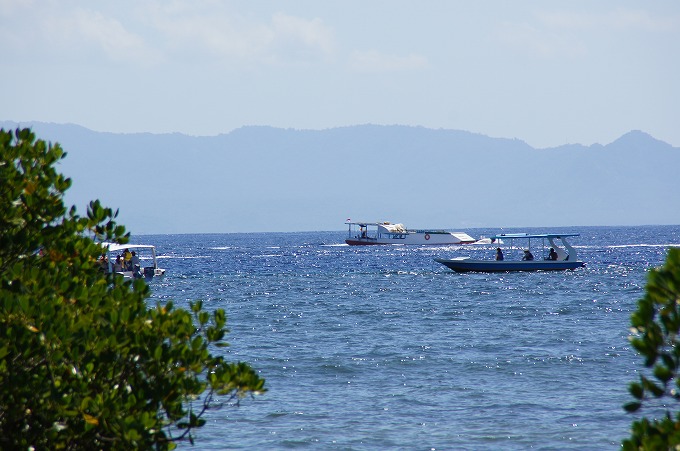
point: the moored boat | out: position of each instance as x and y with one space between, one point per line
561 257
369 233
132 261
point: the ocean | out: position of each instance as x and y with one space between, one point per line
380 347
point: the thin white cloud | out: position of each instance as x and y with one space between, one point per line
374 61
8 7
110 36
619 19
302 38
53 31
16 33
539 42
197 32
151 31
560 34
227 35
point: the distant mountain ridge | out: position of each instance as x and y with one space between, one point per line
270 179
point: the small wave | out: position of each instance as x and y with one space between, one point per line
572 358
221 248
623 246
181 257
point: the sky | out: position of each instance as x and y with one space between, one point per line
548 73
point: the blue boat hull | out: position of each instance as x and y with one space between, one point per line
470 265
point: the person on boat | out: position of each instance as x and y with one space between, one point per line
499 254
134 260
528 256
127 256
552 255
103 263
118 265
137 272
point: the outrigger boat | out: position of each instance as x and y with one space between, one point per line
559 258
368 233
135 269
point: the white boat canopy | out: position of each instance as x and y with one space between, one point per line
113 247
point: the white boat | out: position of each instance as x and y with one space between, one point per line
514 258
142 263
368 233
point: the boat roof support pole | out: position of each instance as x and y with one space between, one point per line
570 249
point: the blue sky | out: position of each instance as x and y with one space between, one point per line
548 73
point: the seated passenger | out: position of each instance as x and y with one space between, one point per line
127 256
528 256
552 255
103 263
499 254
118 265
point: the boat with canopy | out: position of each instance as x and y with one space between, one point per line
560 256
141 261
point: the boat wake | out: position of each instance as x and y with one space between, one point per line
626 246
181 257
615 246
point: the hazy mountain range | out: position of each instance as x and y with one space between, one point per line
267 179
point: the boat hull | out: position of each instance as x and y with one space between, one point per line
471 265
431 238
148 272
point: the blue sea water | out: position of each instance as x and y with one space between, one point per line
380 347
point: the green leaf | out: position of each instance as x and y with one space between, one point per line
662 373
203 318
636 390
632 407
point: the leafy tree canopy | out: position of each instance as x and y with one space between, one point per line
84 361
656 324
